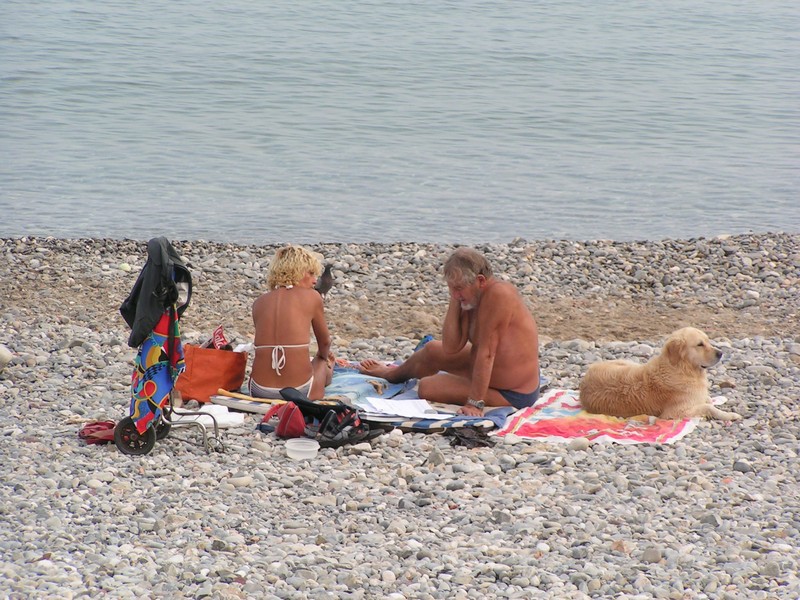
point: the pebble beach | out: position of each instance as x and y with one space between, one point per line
714 515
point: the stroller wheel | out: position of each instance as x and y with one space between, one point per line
163 428
129 441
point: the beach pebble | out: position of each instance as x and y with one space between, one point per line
5 357
577 444
651 554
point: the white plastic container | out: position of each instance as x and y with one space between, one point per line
301 448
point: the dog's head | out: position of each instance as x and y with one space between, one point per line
690 347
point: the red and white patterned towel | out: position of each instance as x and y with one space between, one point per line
557 417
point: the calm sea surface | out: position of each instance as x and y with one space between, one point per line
457 121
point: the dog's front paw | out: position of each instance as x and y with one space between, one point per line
731 416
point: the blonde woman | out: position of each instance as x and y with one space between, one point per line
283 318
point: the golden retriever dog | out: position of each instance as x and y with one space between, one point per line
672 385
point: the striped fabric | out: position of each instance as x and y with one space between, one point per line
558 417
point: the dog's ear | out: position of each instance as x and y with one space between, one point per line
675 350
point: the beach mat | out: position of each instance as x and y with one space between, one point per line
557 417
352 388
241 404
490 420
347 385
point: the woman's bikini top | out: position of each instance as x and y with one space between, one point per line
279 354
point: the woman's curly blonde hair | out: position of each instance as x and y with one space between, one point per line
290 264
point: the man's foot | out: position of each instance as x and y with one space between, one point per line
376 369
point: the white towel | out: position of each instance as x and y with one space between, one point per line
224 417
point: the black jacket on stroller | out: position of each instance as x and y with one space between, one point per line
155 290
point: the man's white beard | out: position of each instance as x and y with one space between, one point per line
467 306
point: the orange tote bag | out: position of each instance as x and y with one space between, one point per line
207 370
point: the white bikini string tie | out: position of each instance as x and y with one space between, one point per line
278 358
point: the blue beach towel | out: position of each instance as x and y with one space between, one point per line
353 387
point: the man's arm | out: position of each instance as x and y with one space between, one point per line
455 331
494 316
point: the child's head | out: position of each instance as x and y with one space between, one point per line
290 265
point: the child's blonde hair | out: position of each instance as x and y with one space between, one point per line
290 265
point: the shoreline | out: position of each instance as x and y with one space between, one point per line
512 241
44 235
714 515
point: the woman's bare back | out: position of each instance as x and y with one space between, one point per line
283 320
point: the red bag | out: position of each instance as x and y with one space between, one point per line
97 432
209 369
288 420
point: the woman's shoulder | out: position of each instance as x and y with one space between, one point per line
297 293
306 297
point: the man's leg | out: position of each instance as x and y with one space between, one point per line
445 388
454 389
429 360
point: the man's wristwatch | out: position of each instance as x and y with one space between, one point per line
479 404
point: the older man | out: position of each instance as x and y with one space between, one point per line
489 353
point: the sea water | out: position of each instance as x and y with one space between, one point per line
457 121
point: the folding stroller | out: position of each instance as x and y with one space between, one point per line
153 310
